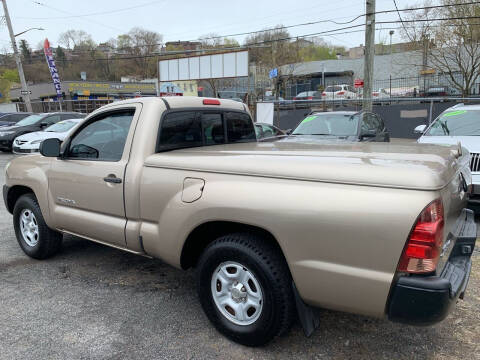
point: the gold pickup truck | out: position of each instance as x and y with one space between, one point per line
274 230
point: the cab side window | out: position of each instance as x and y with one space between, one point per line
103 139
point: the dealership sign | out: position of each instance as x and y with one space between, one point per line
51 66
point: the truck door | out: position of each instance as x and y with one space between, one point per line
86 183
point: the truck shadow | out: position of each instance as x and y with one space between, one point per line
340 335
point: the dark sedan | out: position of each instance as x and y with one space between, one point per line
9 119
340 126
34 122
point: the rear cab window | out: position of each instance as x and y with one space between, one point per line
184 129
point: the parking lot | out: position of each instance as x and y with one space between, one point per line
92 301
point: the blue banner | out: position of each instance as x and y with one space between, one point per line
52 67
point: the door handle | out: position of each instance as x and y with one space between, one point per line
112 179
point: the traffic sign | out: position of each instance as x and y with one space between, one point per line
273 73
358 83
26 92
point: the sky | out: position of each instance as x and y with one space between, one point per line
190 19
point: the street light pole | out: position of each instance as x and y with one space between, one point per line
18 60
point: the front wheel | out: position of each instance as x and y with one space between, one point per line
244 287
35 238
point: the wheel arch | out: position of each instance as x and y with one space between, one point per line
14 193
200 237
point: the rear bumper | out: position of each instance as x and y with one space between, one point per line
425 300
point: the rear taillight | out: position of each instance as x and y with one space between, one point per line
341 93
309 97
424 245
324 94
295 98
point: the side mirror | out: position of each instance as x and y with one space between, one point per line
43 124
288 131
420 129
50 147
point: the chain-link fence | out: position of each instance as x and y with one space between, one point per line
401 115
418 86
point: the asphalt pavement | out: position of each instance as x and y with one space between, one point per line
94 302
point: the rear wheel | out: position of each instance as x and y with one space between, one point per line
36 239
244 287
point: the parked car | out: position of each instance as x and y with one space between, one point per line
34 122
439 90
380 94
460 123
308 95
264 130
339 126
10 119
339 92
30 143
272 228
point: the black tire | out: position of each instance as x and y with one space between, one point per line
269 267
48 241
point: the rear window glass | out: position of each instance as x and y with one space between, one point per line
181 129
191 129
239 128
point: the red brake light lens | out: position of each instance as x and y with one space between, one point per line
424 245
323 94
309 97
211 102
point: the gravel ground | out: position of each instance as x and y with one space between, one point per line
94 302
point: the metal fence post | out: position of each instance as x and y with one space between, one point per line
430 113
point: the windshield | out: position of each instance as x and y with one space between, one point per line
61 126
29 120
456 123
328 124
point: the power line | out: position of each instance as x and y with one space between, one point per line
306 24
400 17
90 14
251 45
68 13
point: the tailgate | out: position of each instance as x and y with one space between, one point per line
455 199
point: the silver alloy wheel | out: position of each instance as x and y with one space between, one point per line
29 227
237 293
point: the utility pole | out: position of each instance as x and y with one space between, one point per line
369 55
391 56
18 60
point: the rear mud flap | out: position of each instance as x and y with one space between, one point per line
308 315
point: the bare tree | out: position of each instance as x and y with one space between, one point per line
451 46
76 39
458 47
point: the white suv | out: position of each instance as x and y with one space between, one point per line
339 92
460 123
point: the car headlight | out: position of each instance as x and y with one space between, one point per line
4 133
36 141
